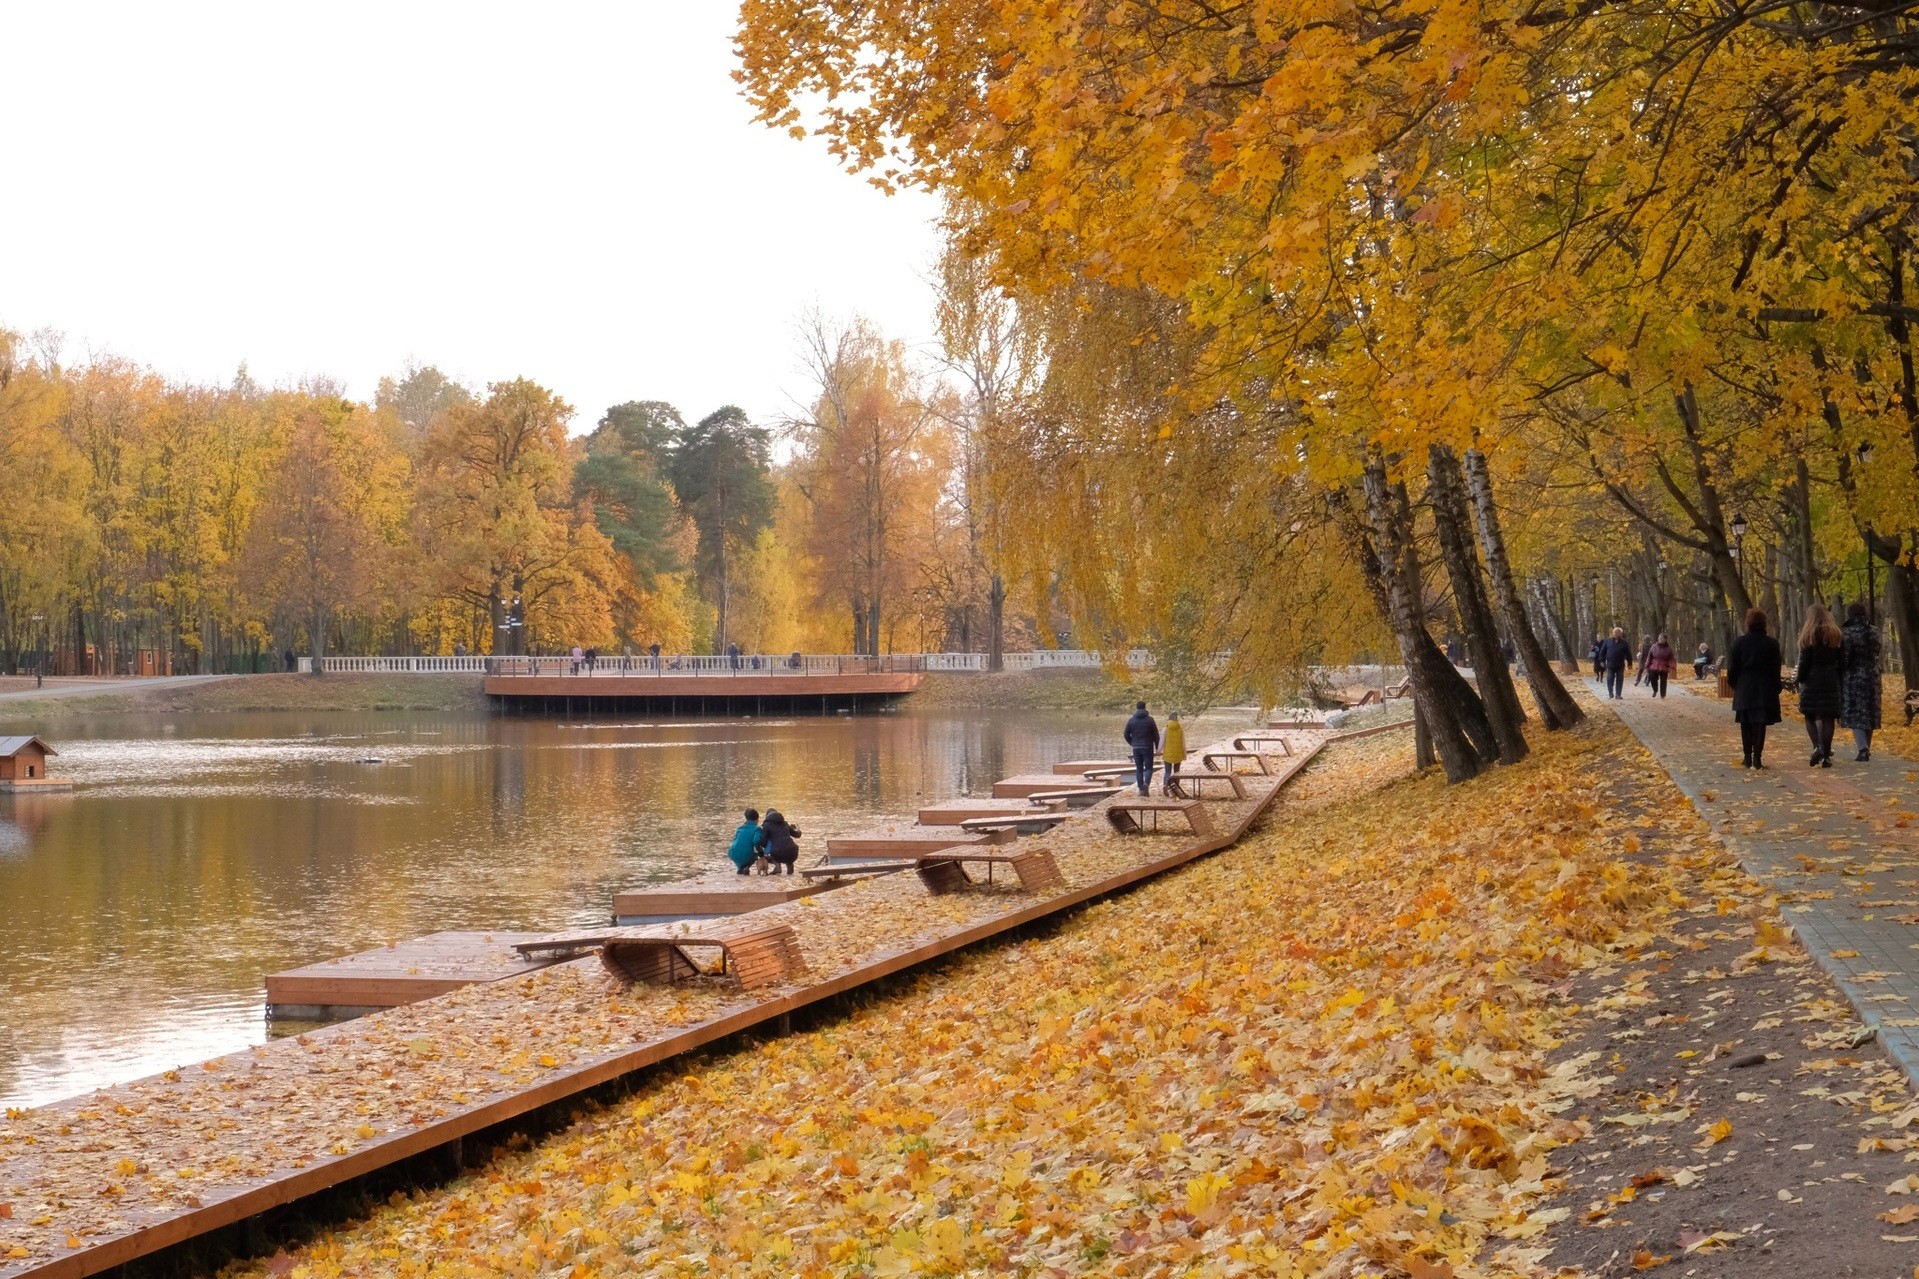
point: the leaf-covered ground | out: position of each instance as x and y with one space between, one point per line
1328 1051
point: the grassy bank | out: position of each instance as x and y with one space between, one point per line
1078 690
445 693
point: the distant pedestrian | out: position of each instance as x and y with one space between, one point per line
1645 651
579 658
1701 660
733 656
1859 700
459 648
653 651
1142 734
1752 668
782 841
1659 663
291 660
1615 655
1593 655
592 659
1820 675
1172 749
749 840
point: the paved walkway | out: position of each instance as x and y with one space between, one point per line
1839 844
58 687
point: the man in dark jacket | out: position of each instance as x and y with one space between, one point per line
1142 734
1615 655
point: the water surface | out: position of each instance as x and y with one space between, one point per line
140 913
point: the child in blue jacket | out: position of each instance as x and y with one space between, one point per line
748 842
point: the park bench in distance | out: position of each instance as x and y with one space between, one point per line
1212 760
1193 785
1253 741
753 954
1136 816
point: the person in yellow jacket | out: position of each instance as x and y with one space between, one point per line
1172 748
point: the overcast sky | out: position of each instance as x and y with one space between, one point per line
570 192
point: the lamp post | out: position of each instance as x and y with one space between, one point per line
40 665
1739 546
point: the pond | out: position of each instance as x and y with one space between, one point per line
140 913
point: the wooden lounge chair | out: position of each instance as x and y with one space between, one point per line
851 870
944 873
1037 822
1253 741
1141 816
1076 796
1193 785
1222 761
754 954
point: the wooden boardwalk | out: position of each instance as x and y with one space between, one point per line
100 1180
710 896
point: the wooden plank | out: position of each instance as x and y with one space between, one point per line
1076 796
1212 760
1035 823
1193 785
242 1200
1079 767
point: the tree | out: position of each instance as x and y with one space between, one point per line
720 470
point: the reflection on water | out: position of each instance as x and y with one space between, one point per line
140 913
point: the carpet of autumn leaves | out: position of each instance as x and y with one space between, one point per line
1320 1053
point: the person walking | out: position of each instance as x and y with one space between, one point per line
749 841
1821 658
1142 734
1593 656
1660 660
1752 668
1172 750
782 841
1615 655
1859 695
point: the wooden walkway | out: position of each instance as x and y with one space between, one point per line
403 973
101 1180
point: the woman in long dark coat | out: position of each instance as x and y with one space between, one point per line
1820 654
1752 668
1859 695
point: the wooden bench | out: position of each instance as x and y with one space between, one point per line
1078 767
1192 785
1076 796
1134 816
1356 695
1108 772
1252 741
1402 689
1034 823
1212 759
754 954
850 870
944 873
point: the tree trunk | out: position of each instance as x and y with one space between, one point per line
316 640
1446 496
996 623
1426 667
1423 757
1556 706
1902 602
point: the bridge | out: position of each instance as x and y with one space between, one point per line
765 684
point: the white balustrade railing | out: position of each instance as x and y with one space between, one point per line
667 664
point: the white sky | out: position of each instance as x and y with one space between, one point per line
570 192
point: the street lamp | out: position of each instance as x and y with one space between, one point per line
1738 546
40 667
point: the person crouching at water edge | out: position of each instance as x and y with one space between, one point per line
748 842
781 842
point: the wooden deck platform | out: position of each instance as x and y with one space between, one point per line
713 896
1028 784
388 976
886 842
280 1165
749 689
951 812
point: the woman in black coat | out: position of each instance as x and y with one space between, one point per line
1821 654
782 847
1752 668
1859 697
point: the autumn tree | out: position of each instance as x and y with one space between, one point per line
720 470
